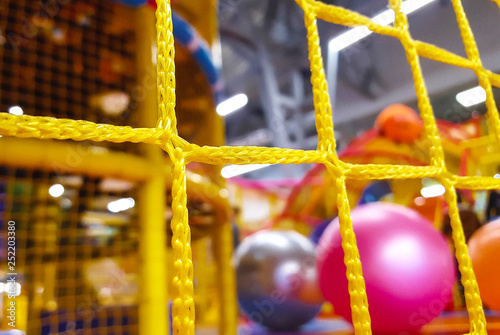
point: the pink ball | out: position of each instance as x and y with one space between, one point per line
408 268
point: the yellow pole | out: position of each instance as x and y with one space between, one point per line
153 314
201 270
65 156
153 310
226 285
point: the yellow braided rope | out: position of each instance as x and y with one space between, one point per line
424 105
327 145
183 301
182 152
165 67
322 107
473 55
356 284
183 295
26 126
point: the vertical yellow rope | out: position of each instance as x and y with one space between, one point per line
165 66
326 144
356 283
472 299
322 107
481 73
183 301
424 105
474 305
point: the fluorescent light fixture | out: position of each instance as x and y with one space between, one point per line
56 190
121 205
385 18
349 37
16 110
472 96
410 6
432 191
236 170
232 104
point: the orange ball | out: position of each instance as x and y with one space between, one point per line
426 206
484 250
399 123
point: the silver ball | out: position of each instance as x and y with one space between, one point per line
277 279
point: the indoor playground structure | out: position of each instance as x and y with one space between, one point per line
116 218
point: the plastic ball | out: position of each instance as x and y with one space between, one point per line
427 207
319 230
276 279
484 251
399 123
408 268
375 191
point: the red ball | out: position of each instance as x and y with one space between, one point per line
408 268
399 123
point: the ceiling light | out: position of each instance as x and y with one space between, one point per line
410 6
115 103
16 110
236 170
232 104
384 19
56 190
472 96
121 205
115 185
432 191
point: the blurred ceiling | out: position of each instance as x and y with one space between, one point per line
264 53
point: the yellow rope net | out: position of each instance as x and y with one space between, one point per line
182 152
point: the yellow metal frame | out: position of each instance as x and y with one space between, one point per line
164 135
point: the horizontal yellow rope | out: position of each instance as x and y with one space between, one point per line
388 171
26 126
477 183
51 128
250 155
